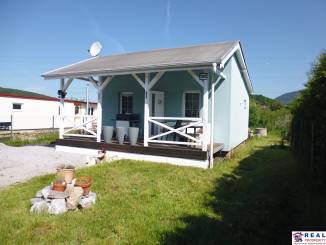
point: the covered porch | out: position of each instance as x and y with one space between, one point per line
170 108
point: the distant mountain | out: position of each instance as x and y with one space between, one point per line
288 98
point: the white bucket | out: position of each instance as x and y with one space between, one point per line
121 132
107 133
133 135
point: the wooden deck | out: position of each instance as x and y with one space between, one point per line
152 149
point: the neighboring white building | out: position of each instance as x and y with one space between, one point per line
27 110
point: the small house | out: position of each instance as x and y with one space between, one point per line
179 105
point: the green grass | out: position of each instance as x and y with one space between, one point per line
46 138
253 198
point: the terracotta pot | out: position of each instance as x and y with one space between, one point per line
59 186
69 174
85 182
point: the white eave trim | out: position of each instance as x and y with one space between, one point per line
237 50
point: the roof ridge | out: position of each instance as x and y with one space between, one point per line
162 49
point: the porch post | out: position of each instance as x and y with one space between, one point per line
146 110
61 106
211 150
99 111
205 116
99 115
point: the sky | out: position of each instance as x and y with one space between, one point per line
280 38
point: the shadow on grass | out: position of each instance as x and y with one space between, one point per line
258 203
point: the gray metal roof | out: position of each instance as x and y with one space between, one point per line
201 55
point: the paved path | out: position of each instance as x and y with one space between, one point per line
18 164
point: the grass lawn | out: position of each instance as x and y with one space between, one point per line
253 198
45 138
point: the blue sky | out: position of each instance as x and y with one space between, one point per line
280 38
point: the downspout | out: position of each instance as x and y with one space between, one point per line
217 73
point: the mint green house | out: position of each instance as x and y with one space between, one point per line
186 103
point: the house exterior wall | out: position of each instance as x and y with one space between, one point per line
239 117
34 114
222 109
111 99
231 112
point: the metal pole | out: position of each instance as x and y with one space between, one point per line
87 101
11 121
53 123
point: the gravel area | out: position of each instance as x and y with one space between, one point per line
18 164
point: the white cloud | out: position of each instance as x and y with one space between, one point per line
168 20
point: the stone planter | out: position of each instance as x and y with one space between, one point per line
107 133
121 132
133 135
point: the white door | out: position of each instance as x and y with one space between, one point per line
157 108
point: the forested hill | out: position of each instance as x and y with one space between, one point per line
288 98
265 102
269 113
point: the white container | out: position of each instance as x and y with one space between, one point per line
133 135
121 132
107 133
261 132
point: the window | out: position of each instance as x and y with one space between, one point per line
192 104
126 103
76 110
90 111
17 106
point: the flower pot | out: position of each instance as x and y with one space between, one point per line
121 131
84 182
133 135
59 186
107 133
69 174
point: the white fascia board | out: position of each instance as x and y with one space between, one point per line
237 50
129 72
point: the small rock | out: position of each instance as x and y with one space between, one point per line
46 191
40 207
88 201
74 198
39 194
36 199
57 206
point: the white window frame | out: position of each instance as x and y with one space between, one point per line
184 101
120 99
18 103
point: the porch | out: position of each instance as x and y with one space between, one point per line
173 154
170 109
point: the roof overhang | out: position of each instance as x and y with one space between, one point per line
79 70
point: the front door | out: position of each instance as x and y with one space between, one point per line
157 109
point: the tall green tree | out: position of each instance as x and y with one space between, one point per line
309 121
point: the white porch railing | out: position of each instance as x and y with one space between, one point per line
74 124
186 123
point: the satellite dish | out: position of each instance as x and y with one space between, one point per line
95 49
